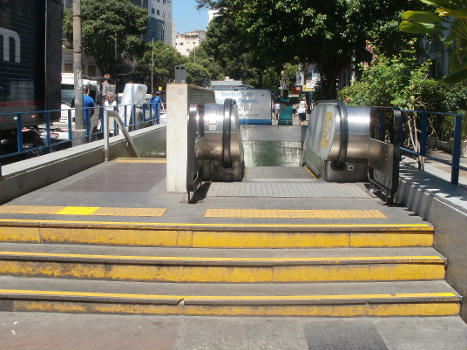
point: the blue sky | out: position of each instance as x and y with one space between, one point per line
187 17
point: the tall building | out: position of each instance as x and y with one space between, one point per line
160 20
187 42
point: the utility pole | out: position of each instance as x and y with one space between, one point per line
152 65
115 65
77 72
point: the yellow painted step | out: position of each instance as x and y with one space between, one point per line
220 235
380 305
222 270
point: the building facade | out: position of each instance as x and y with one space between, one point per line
187 42
160 23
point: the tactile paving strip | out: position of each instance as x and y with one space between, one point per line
293 214
64 210
287 190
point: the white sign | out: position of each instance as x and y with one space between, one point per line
254 105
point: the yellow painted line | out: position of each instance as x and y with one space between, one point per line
140 161
266 298
327 260
293 214
20 292
75 210
312 174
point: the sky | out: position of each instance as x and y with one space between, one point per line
187 17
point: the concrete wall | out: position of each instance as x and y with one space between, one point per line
27 175
443 205
179 98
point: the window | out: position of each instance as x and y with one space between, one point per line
158 12
68 68
145 4
92 70
152 10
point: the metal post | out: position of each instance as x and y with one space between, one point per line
79 118
47 130
152 65
456 150
106 136
70 135
115 66
424 133
19 133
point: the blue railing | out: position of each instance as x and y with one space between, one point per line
59 133
456 149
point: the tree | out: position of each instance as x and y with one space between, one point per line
325 32
450 16
165 59
201 68
102 22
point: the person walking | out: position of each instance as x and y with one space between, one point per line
301 110
156 104
88 103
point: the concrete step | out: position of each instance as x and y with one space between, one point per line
422 298
221 265
215 235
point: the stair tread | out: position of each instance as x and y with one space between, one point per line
219 289
210 253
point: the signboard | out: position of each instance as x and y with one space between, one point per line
254 105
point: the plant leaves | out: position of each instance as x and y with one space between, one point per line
421 17
417 28
457 75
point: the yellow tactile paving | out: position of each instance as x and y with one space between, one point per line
71 210
29 209
77 211
140 161
293 214
130 211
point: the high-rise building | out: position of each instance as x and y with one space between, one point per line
160 20
160 25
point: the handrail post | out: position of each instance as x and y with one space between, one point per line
134 117
456 150
19 134
125 116
70 127
101 117
106 135
424 133
47 131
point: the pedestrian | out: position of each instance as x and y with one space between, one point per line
88 103
110 103
301 110
156 104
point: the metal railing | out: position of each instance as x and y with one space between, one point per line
49 133
420 148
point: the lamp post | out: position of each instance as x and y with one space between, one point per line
152 63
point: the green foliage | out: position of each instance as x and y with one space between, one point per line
165 58
402 81
449 16
248 37
103 20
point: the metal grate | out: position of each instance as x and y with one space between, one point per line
287 190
